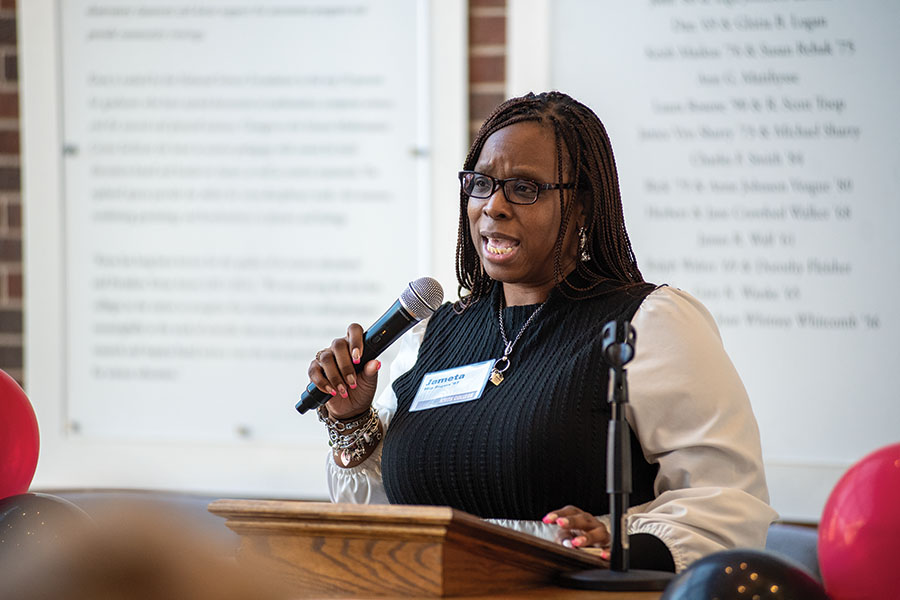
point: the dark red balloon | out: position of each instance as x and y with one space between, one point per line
19 438
859 534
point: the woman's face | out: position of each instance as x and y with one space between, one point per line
515 242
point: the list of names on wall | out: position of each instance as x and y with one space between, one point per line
760 141
223 165
756 145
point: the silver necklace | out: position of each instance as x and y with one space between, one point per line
497 371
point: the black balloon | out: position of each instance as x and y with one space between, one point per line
745 574
31 524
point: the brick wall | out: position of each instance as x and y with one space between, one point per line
487 59
10 198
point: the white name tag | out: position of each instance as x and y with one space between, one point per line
452 386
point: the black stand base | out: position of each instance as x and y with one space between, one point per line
623 581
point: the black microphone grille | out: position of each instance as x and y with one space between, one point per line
422 297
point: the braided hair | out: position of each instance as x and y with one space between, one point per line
582 137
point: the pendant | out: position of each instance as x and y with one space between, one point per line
497 372
346 458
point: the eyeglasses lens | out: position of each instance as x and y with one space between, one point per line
478 186
518 191
521 190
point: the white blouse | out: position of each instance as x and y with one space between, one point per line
691 414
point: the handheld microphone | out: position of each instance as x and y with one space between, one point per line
419 300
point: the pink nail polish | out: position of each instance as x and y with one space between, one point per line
604 555
563 522
547 520
343 391
577 541
355 356
378 366
331 391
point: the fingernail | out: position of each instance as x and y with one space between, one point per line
343 391
562 522
377 365
351 380
549 518
579 541
604 554
331 391
355 355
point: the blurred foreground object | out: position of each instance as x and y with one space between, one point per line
33 524
744 573
859 534
19 438
135 555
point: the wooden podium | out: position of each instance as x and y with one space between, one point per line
326 550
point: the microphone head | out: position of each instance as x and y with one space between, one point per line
422 297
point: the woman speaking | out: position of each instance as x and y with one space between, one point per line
543 261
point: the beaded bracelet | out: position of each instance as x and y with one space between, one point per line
351 439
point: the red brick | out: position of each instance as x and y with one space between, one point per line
14 285
9 179
487 30
11 67
14 215
11 357
481 105
9 141
487 69
8 30
10 321
9 104
10 249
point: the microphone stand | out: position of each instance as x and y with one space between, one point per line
618 350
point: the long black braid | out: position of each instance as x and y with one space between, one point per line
582 137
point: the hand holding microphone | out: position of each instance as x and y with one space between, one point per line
346 373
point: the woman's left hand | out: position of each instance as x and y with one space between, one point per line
577 528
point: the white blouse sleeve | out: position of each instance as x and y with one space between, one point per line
691 414
362 484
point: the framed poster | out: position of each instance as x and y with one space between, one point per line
757 156
215 190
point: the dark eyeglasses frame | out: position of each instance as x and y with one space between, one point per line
498 183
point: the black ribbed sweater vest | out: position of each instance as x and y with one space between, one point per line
536 442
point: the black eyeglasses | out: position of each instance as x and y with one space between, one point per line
517 191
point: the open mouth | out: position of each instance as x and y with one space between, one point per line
499 247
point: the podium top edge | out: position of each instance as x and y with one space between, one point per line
300 509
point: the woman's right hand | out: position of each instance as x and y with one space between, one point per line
333 371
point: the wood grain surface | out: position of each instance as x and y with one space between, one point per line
327 550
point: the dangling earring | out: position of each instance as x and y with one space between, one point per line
582 244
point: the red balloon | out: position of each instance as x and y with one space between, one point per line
19 438
859 535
